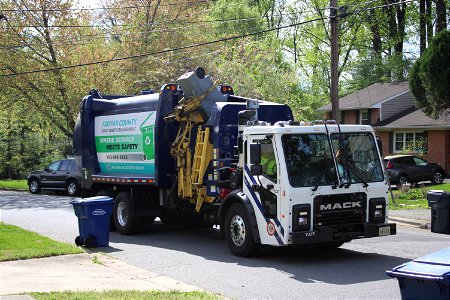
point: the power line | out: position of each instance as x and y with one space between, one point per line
103 8
197 24
204 22
162 51
374 7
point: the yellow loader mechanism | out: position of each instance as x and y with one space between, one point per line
191 168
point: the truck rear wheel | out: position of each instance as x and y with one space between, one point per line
124 222
238 233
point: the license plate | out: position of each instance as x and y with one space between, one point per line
384 231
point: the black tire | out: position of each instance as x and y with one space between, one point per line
90 242
124 223
72 188
78 241
34 187
438 178
402 179
110 194
238 233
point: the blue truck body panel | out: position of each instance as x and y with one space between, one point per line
223 120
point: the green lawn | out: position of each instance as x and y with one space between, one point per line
13 184
414 198
129 295
17 243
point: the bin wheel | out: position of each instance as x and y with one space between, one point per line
90 242
125 223
78 241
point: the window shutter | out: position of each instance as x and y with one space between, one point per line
425 136
358 113
369 116
391 142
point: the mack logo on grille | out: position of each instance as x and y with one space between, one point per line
343 205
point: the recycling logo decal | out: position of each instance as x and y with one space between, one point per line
147 140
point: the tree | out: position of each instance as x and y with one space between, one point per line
429 79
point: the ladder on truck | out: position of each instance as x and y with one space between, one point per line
202 156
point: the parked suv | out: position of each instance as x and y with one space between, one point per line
412 169
59 175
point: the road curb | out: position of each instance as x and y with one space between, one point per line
424 224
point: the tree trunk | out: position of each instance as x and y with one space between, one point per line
400 17
441 16
429 20
422 27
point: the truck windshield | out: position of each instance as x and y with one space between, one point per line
357 158
309 160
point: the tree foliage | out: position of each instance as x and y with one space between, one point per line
429 79
291 65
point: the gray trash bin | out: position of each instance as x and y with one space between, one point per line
427 277
439 201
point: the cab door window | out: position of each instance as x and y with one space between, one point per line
268 161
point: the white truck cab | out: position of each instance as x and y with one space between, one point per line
312 184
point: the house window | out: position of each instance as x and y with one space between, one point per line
364 117
410 142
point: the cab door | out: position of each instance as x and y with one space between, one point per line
269 188
262 187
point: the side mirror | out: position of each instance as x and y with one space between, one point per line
47 169
255 154
256 170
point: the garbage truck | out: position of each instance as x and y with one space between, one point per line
196 153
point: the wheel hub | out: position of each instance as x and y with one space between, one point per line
237 230
438 178
34 186
71 188
122 215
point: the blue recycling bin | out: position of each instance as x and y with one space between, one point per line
427 277
93 220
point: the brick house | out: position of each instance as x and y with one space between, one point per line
390 109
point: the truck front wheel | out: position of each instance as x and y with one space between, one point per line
124 222
238 232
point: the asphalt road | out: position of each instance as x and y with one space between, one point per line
199 257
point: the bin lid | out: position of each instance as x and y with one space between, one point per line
96 199
434 266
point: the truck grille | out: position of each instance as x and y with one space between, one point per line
344 213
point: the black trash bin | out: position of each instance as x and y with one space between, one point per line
427 277
93 220
439 201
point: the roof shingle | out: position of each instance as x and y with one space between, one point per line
369 96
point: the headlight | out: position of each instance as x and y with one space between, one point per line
377 210
301 217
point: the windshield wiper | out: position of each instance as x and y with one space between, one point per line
353 171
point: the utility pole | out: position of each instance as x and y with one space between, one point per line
334 93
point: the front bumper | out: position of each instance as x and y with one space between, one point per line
324 234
